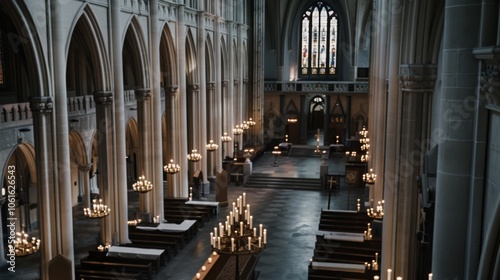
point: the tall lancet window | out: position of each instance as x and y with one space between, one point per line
318 41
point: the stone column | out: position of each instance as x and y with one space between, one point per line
453 183
258 68
172 139
41 108
142 97
84 173
202 95
227 125
104 101
120 205
217 97
326 120
417 85
157 208
214 122
62 183
180 120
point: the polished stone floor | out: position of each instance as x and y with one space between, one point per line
291 217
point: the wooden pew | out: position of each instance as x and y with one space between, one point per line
99 256
105 274
144 269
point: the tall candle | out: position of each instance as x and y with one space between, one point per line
254 232
376 277
246 215
229 230
211 238
260 230
218 242
244 198
232 244
251 222
399 278
238 203
222 231
265 236
241 228
234 207
249 243
248 209
236 216
260 242
430 276
215 232
389 274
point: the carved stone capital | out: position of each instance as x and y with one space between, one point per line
171 90
236 82
194 87
103 97
417 77
142 94
225 83
490 84
490 76
41 104
210 85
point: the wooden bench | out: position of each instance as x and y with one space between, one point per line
105 275
144 269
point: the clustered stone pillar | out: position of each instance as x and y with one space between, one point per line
172 180
84 174
417 84
41 108
142 97
104 101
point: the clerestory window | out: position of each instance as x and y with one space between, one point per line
318 41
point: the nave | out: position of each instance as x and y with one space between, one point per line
291 217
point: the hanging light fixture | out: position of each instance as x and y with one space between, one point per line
172 168
211 146
142 185
24 246
194 156
97 210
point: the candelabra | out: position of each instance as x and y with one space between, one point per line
237 131
248 154
194 156
251 123
172 168
97 211
142 185
238 236
211 146
373 265
24 246
276 153
225 139
369 177
378 212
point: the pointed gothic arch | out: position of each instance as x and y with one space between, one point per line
168 61
24 49
88 67
135 60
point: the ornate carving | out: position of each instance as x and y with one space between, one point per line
41 104
490 84
171 90
103 97
142 94
194 87
417 77
211 85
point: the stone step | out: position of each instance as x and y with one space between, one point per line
265 181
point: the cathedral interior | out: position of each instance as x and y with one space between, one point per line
250 139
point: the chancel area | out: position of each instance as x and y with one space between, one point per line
250 139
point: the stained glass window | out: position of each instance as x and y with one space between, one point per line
318 41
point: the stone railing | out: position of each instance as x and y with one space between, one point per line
317 86
12 113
